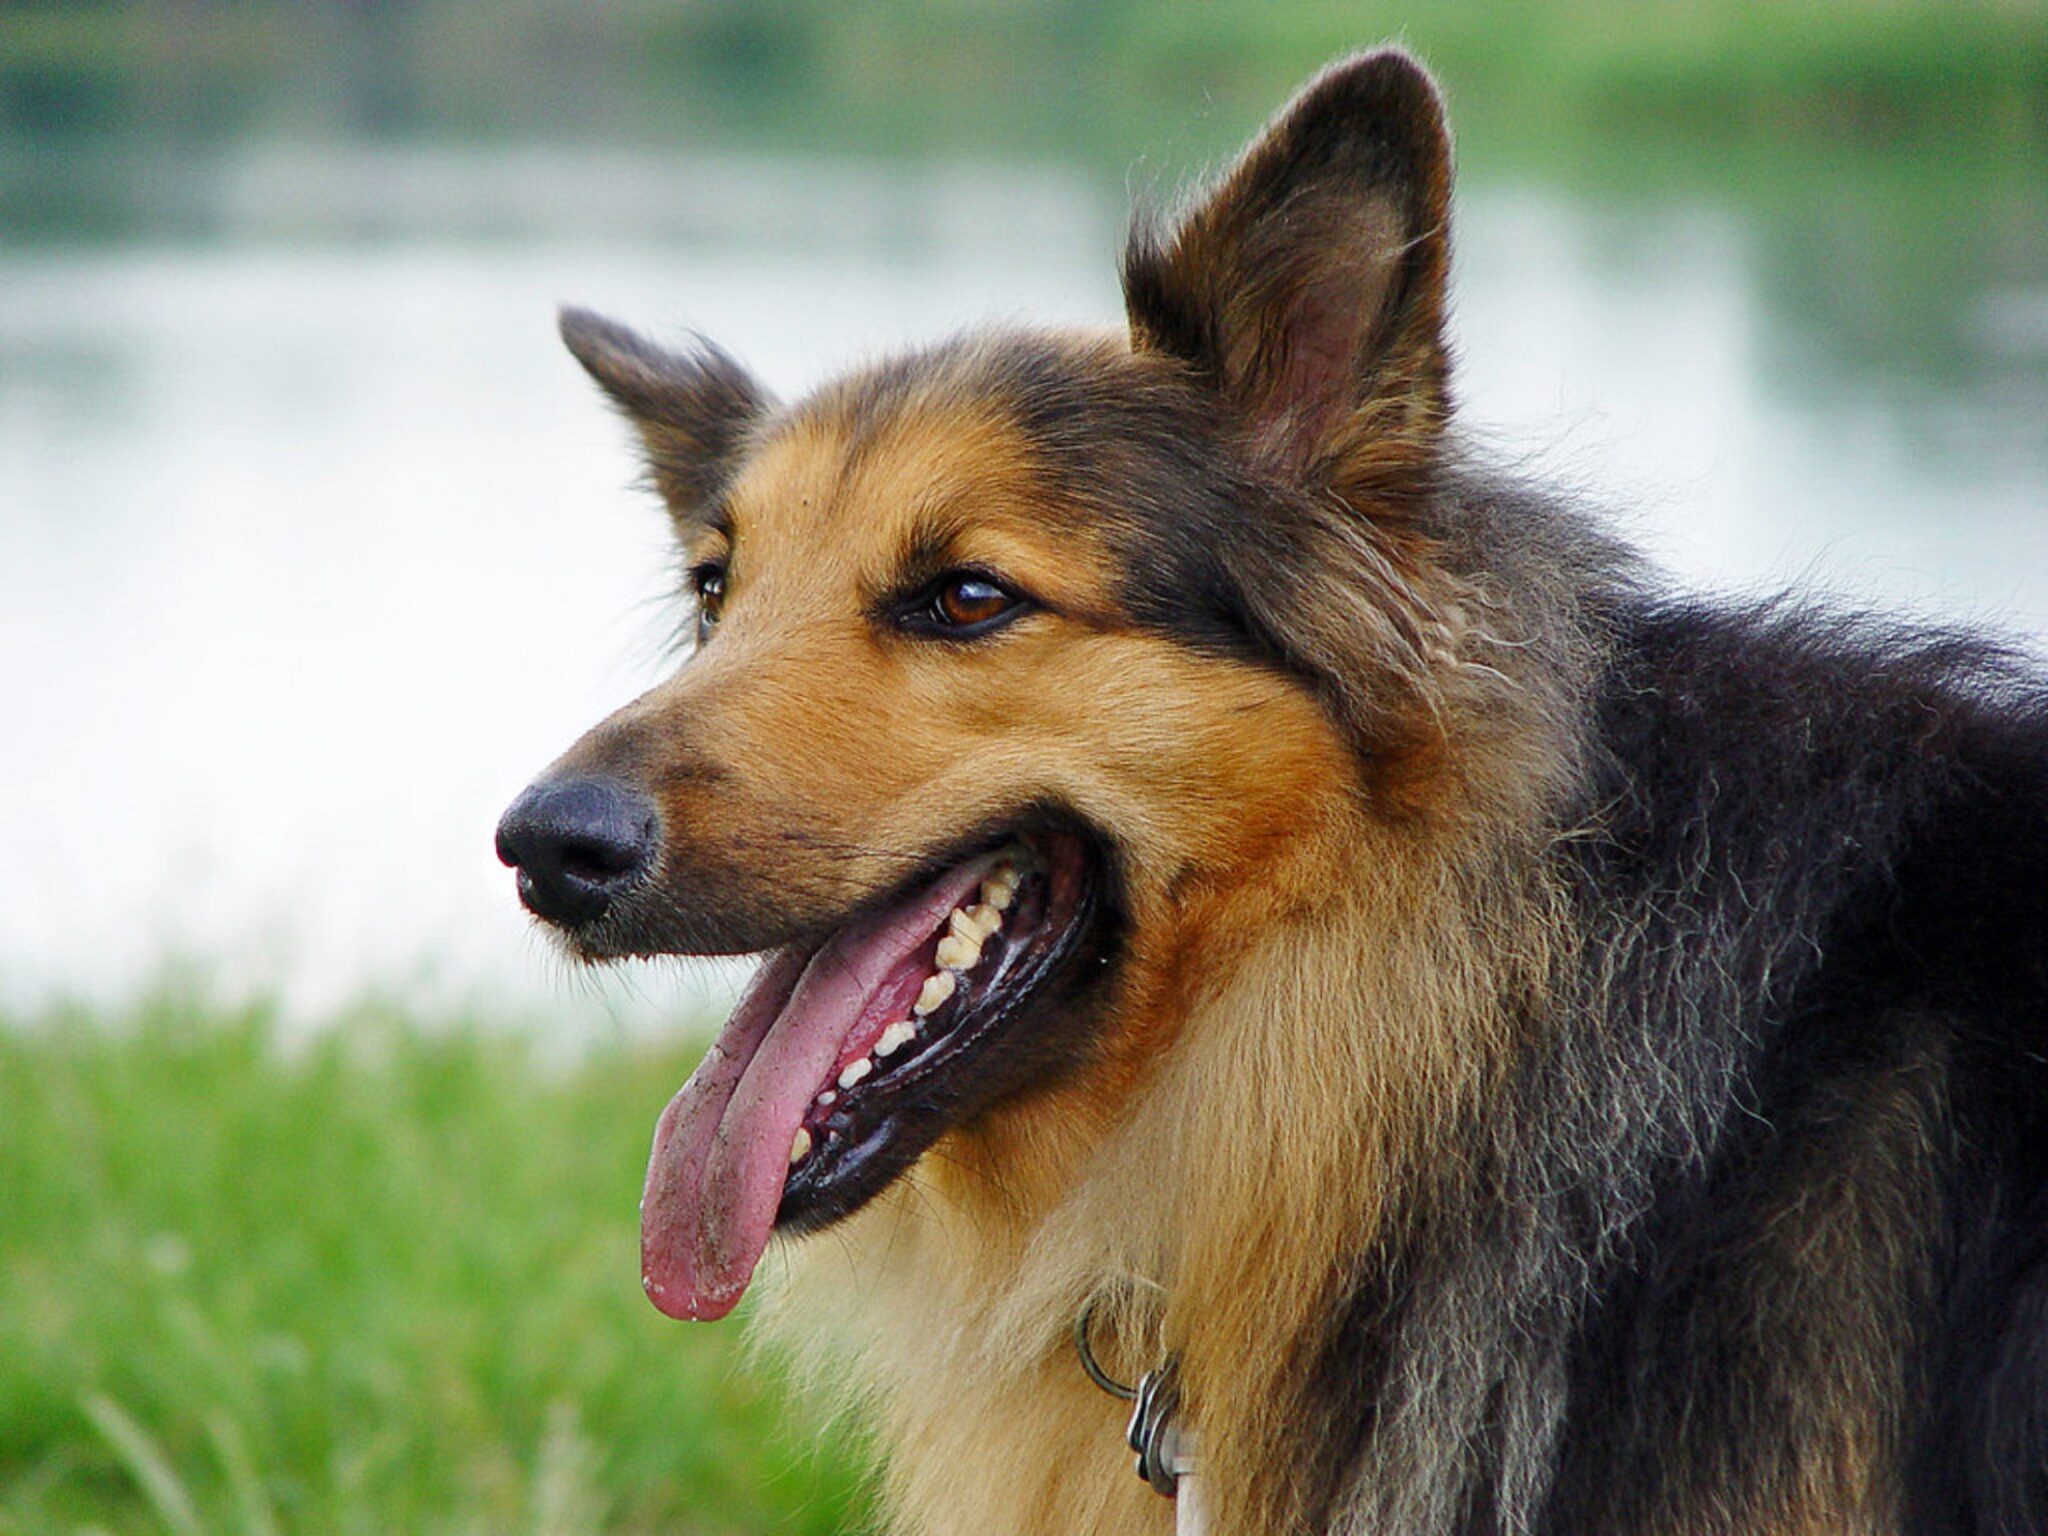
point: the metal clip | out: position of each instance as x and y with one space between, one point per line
1166 1457
1154 1432
1084 1346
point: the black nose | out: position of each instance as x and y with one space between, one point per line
577 843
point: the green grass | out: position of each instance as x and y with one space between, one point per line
382 1281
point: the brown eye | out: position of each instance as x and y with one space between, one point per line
960 605
709 582
964 602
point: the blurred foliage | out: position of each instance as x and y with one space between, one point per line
1088 78
381 1281
116 116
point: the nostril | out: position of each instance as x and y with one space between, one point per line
596 861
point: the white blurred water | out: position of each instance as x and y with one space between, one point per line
314 546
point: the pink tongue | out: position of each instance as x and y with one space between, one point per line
721 1149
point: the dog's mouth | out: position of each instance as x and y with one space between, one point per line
845 1059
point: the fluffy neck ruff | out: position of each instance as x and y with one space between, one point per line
1217 1204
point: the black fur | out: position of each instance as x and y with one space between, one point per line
1821 881
1752 1234
1808 855
1784 1166
1756 1235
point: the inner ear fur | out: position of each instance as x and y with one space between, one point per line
696 410
1307 286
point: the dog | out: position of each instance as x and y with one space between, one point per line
1502 1044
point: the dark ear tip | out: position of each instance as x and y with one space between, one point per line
699 390
1378 84
1389 63
574 321
590 336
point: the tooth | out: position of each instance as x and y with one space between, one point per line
855 1071
937 988
895 1037
800 1148
829 1097
984 919
999 890
958 954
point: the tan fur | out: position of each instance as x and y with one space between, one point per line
1218 1221
1210 1176
1322 941
1302 998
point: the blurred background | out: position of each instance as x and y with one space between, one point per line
316 1169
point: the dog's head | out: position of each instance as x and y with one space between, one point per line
1017 661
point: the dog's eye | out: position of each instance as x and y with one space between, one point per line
708 581
969 600
964 604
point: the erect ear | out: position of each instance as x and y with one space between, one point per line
696 410
1308 285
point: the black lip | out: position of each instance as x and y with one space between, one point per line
982 1058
